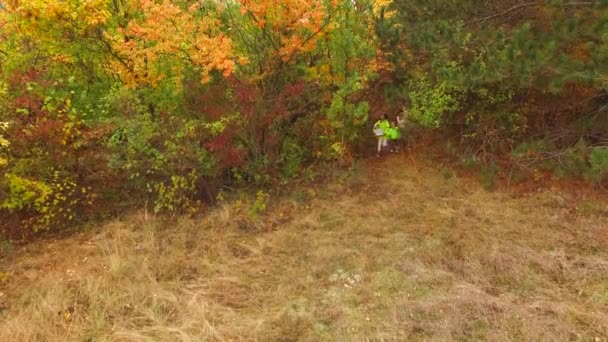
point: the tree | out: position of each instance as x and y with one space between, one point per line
163 39
487 54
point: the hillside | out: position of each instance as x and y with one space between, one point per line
397 251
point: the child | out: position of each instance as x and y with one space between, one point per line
394 135
400 121
381 128
401 127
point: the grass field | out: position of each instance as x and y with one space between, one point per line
399 252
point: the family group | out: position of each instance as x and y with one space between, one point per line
389 134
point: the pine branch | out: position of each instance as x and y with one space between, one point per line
524 6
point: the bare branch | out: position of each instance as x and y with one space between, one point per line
524 6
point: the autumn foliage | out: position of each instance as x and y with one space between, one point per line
109 104
106 105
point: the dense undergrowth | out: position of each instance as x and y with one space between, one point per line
108 105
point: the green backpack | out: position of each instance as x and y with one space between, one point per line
393 133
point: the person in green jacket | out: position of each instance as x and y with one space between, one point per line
381 130
394 135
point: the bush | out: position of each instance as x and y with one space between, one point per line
429 103
165 156
598 162
291 157
50 205
579 160
177 195
4 144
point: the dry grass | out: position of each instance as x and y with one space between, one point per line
390 254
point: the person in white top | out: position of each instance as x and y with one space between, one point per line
381 128
400 121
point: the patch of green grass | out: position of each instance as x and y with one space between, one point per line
447 173
592 208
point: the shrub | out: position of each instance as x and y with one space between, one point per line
291 157
4 144
430 102
259 205
175 196
598 162
51 205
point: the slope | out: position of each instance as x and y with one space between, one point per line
397 251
